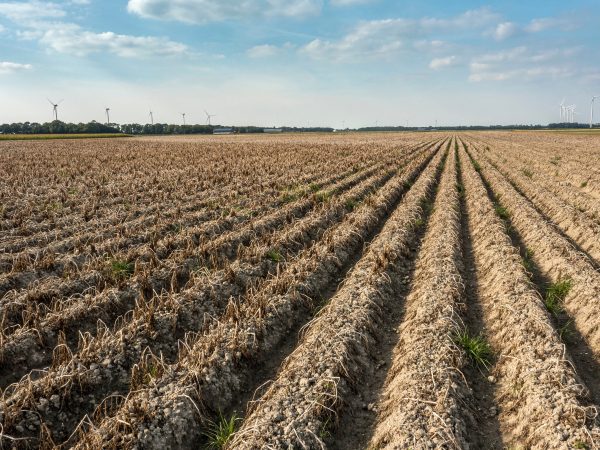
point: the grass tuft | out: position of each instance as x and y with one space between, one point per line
460 189
502 212
274 255
566 332
555 296
528 173
219 433
121 270
528 263
323 196
476 348
350 204
584 184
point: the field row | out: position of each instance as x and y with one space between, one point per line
433 297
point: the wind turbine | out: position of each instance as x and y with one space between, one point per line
569 113
107 115
562 111
183 115
55 108
151 117
592 111
208 117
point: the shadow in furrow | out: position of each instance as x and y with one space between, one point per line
485 432
358 420
578 351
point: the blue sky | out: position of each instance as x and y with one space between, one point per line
299 62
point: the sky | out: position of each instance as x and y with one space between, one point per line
339 63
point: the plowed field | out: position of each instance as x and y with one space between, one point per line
352 291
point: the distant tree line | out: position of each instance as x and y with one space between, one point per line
58 127
477 127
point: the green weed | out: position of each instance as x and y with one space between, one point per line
555 296
323 196
528 260
350 204
566 332
460 189
219 433
121 270
502 212
555 160
274 255
528 173
476 348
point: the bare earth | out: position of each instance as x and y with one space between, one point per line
343 291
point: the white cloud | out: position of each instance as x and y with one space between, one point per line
505 30
349 2
546 23
41 21
523 64
504 55
432 45
263 51
21 12
72 39
7 67
525 74
441 63
384 38
205 11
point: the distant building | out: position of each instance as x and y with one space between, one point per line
273 130
223 131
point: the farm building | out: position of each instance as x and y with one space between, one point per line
223 131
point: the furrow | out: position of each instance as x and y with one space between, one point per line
260 260
546 175
538 392
55 260
573 223
102 364
315 379
422 405
214 366
555 256
104 207
13 305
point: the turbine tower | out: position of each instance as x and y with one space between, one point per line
570 113
151 117
55 108
562 111
183 115
592 111
208 117
107 116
